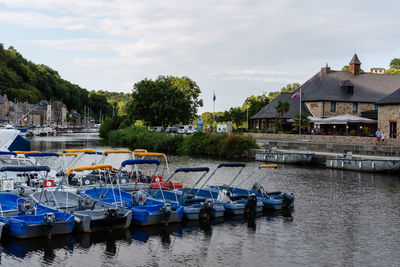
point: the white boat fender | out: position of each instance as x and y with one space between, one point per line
77 220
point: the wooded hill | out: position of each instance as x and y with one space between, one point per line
23 80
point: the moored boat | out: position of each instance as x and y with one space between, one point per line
23 219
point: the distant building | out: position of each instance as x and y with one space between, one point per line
377 70
389 114
332 93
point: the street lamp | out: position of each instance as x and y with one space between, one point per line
347 129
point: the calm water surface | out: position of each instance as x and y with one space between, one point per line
340 218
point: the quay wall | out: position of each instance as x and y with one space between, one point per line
324 143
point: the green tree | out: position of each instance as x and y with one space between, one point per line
392 71
305 122
165 101
395 63
290 88
237 115
256 103
281 108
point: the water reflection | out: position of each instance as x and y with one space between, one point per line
110 240
340 218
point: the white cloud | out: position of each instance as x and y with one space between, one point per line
238 47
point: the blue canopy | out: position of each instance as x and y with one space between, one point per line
139 161
92 153
232 165
24 169
198 169
48 154
7 153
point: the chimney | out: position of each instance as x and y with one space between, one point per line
355 65
326 69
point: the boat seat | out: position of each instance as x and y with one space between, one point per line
120 203
195 200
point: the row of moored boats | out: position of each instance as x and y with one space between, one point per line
36 200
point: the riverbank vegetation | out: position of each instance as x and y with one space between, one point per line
223 146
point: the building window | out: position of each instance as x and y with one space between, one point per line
355 107
375 107
333 106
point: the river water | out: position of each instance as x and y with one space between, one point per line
340 218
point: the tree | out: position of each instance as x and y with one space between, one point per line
281 108
237 116
392 71
305 122
165 101
290 88
395 63
256 103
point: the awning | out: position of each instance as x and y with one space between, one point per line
343 119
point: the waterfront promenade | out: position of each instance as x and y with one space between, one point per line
363 146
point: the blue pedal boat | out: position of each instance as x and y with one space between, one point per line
145 209
194 208
271 200
235 205
21 218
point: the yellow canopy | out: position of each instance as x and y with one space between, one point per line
89 168
79 151
68 154
268 166
140 150
117 152
25 152
150 154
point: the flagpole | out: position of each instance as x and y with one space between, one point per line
213 109
300 115
247 105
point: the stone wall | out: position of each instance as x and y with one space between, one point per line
358 140
336 144
387 114
323 108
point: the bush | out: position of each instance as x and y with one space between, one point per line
140 137
199 144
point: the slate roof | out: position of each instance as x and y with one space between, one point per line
393 98
327 85
355 60
269 112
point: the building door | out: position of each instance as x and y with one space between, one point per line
393 129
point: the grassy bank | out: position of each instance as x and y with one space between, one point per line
200 144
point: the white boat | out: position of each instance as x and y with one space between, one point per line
283 157
363 164
10 140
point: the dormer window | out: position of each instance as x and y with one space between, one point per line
347 87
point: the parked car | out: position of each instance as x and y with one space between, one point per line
172 130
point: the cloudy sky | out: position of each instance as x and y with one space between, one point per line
237 48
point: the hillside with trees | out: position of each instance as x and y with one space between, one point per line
23 80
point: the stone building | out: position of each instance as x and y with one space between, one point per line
58 113
377 70
332 93
389 114
4 107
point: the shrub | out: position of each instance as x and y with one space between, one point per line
199 144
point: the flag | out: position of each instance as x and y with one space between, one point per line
25 119
214 97
297 94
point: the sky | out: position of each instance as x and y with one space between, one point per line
236 48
